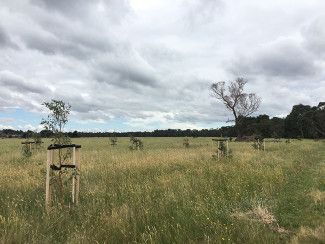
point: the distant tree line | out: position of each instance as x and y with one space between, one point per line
304 121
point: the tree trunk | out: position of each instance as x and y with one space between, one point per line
237 124
238 128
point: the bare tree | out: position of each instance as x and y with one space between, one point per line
241 104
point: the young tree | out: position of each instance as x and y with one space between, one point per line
136 143
113 140
241 104
56 120
186 142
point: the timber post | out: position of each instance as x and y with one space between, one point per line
51 167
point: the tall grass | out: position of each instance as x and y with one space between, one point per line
169 194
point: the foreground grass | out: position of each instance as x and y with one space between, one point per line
169 194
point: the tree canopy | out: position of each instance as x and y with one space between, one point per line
241 104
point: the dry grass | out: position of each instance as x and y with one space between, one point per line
262 215
309 235
169 194
317 196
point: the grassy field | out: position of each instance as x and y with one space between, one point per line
170 194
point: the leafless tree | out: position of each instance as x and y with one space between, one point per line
241 104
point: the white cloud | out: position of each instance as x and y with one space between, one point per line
150 120
30 127
2 127
7 120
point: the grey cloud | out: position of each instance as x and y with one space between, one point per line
81 105
202 12
72 43
125 74
10 99
53 45
97 116
101 101
5 40
62 5
82 38
18 84
314 35
116 9
199 117
156 54
133 74
280 59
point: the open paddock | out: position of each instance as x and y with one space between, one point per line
169 193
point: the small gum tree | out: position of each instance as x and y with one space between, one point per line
56 120
241 104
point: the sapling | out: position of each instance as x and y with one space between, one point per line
33 140
136 143
259 144
26 150
186 142
37 140
113 140
55 122
222 149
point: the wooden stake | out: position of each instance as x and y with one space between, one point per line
50 172
227 149
218 150
74 176
51 175
47 184
258 144
77 175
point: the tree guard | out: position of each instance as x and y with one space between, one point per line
32 144
220 151
259 144
51 168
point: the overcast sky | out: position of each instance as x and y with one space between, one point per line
148 64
